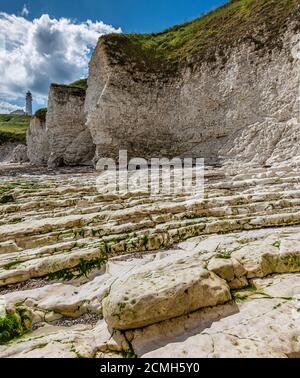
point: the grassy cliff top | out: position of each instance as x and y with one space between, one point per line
79 84
13 128
260 21
41 114
82 84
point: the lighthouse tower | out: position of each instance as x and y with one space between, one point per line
29 103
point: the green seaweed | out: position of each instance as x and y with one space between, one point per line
224 255
10 327
277 244
7 198
11 265
78 354
14 325
129 354
83 269
240 298
16 220
40 346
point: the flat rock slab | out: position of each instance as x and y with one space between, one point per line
67 342
54 301
264 324
249 254
161 290
187 281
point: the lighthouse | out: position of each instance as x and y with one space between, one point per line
28 103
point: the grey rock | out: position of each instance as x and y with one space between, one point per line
19 154
69 140
63 138
37 142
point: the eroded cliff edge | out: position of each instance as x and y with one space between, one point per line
69 139
62 138
223 87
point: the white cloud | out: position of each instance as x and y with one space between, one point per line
6 107
25 11
44 50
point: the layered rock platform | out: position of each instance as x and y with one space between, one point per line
92 275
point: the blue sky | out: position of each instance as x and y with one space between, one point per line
42 42
141 16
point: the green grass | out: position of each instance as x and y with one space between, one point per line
41 114
187 44
13 128
14 118
82 83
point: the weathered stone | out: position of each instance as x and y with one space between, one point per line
214 110
163 290
19 154
62 342
52 317
70 142
6 151
254 328
61 139
37 142
230 270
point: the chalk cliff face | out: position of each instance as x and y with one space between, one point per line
237 99
37 142
69 140
62 138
